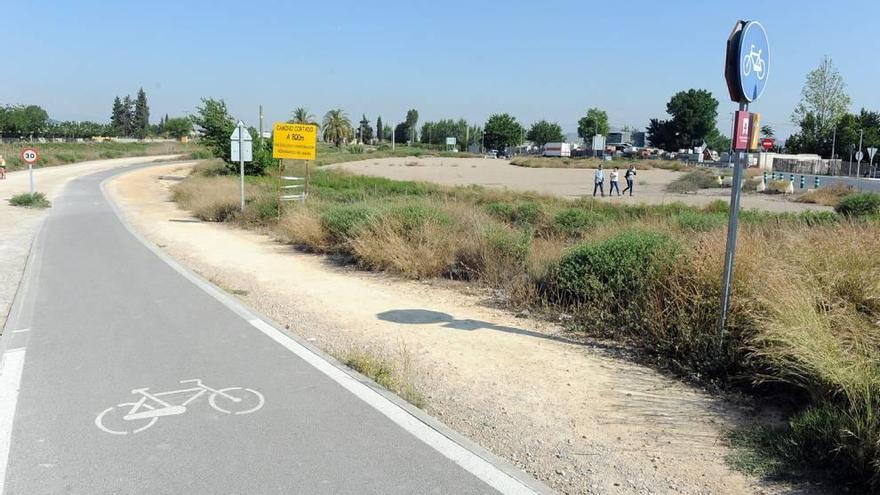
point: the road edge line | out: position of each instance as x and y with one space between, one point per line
12 359
484 465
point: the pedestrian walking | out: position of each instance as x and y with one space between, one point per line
2 167
599 182
630 177
615 177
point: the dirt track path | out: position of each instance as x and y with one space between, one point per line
574 416
569 183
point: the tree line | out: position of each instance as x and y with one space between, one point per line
825 124
129 118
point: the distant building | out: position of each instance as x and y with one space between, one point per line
640 139
615 138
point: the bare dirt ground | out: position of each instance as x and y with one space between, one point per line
571 183
18 225
573 415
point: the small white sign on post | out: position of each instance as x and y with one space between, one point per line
871 152
241 145
241 150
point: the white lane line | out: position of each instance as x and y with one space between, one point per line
471 462
11 365
22 330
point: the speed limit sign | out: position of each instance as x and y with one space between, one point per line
30 155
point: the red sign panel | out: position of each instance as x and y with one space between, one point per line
767 143
741 135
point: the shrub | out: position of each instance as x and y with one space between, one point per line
340 222
827 196
700 222
356 149
610 284
693 182
573 221
523 212
778 187
28 200
859 205
414 240
414 216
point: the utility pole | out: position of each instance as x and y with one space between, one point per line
261 121
859 165
393 132
833 142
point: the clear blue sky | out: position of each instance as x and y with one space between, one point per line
550 59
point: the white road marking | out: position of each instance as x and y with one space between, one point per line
484 470
146 406
471 462
11 365
22 330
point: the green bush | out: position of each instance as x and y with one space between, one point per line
573 221
522 212
700 222
28 200
413 217
693 182
262 208
609 281
859 204
509 244
356 149
342 221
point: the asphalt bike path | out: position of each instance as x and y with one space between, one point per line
122 373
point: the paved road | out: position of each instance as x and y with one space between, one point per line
103 320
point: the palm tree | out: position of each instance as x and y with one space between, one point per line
767 131
301 116
337 127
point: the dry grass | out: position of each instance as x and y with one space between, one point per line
62 153
392 369
302 227
827 196
804 313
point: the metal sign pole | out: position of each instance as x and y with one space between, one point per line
241 160
732 224
31 176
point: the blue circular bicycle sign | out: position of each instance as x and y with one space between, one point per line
754 60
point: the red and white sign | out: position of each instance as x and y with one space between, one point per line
741 133
30 155
767 143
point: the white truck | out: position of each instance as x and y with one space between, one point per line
557 149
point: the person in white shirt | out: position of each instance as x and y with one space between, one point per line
615 176
599 182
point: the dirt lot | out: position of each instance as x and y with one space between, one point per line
572 183
576 416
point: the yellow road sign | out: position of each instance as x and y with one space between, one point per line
294 141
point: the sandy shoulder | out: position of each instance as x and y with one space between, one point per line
572 416
568 183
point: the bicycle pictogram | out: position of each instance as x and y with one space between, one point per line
134 417
753 62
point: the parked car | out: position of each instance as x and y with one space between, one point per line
492 154
503 154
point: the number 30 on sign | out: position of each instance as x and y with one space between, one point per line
294 141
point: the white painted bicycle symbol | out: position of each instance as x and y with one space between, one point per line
135 417
753 62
